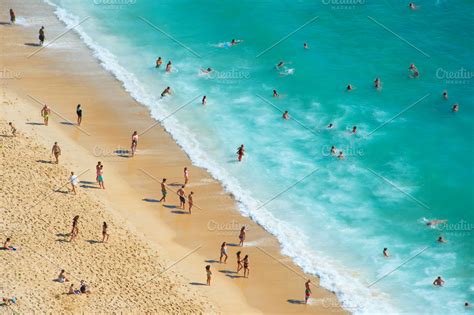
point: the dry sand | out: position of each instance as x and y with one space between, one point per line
140 226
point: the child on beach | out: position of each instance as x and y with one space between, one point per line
74 182
223 253
13 129
56 152
45 112
239 261
242 236
134 142
7 246
182 197
307 292
209 274
164 192
186 176
62 277
246 266
105 234
190 201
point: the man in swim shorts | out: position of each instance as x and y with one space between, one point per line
182 197
164 192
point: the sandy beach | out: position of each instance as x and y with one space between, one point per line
155 259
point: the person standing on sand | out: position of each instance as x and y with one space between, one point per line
134 142
41 36
100 178
45 112
239 261
164 192
97 171
223 253
182 197
186 176
105 234
79 114
209 274
246 266
56 152
240 153
12 17
75 229
242 236
13 129
74 182
190 201
307 292
158 62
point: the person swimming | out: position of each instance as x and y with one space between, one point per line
169 65
234 42
435 222
354 129
280 64
206 71
333 150
445 95
305 46
286 116
412 6
158 62
275 93
455 107
341 155
414 70
377 83
166 91
349 87
439 282
330 126
385 252
204 100
441 240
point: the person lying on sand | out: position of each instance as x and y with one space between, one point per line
7 246
9 301
72 291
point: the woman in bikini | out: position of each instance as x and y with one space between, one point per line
242 236
105 234
223 253
75 229
246 266
134 142
239 261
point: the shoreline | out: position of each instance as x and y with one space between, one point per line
110 117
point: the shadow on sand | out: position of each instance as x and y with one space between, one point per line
33 44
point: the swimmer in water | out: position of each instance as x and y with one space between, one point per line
305 46
204 100
414 70
286 116
455 108
158 62
169 66
349 87
330 126
340 156
412 6
441 240
354 129
435 222
235 42
206 71
333 150
280 64
385 252
445 95
240 153
439 282
275 93
377 83
166 91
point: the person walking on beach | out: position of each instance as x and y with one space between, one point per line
240 152
100 178
182 197
41 36
79 114
223 253
13 129
439 282
134 142
242 236
209 274
169 66
75 229
190 201
307 292
97 171
74 182
239 261
246 266
158 62
12 17
186 176
164 192
45 112
105 234
56 152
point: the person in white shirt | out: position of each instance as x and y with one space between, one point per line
74 182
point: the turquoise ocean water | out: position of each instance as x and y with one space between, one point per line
410 161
